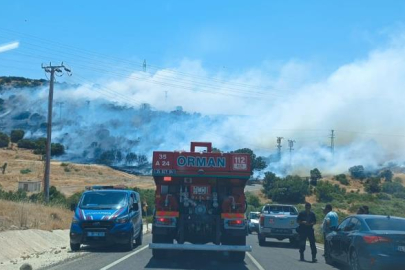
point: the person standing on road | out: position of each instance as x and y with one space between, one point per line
330 222
306 220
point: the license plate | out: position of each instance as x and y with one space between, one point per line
200 190
96 234
401 248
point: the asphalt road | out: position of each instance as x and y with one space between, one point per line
275 255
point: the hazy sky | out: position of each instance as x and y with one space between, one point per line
227 36
295 69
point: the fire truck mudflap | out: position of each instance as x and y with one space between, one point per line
200 202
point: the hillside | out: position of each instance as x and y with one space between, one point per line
69 178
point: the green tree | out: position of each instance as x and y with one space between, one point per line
130 158
291 189
4 140
357 172
16 135
27 144
57 149
387 175
315 175
392 187
372 185
327 192
269 182
252 200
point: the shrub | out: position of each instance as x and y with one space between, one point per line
342 179
27 144
357 172
57 149
268 183
383 196
291 189
327 192
315 175
387 175
372 185
25 171
4 140
252 200
392 187
16 135
400 195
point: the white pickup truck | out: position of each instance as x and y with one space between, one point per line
278 221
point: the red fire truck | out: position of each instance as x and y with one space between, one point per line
200 201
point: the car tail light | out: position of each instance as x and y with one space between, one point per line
261 220
236 222
372 239
164 221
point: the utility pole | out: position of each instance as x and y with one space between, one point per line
144 65
290 146
279 147
332 142
50 69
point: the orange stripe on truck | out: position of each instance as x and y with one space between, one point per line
167 214
232 215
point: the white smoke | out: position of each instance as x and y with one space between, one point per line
362 101
9 46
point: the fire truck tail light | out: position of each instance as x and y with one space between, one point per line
261 220
236 222
164 221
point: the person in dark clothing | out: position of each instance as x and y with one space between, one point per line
306 220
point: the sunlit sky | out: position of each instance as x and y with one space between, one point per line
226 36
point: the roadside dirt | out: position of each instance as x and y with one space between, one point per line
23 165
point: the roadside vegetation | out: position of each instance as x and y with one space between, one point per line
383 193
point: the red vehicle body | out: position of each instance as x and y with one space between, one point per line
200 201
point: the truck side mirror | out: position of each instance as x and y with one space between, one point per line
73 207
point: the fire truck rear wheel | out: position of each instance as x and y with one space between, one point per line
162 239
235 256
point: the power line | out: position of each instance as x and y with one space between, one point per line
52 70
41 47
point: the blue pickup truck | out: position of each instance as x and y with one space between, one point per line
107 215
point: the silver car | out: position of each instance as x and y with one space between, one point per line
254 222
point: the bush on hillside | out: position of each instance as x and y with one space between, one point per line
372 185
16 135
4 140
27 144
357 172
399 195
315 175
392 187
342 179
269 182
327 192
387 175
291 189
252 200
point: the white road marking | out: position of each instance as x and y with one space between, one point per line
124 258
256 263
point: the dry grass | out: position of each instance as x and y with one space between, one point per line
68 179
22 215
